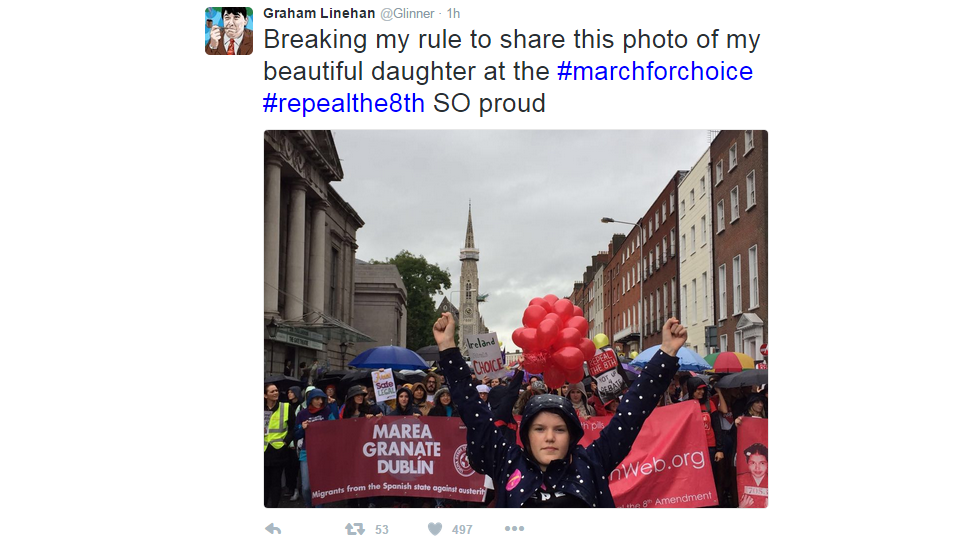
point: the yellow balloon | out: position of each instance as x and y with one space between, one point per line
601 341
633 355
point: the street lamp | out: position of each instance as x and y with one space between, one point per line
342 349
272 328
640 306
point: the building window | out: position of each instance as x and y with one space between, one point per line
684 250
702 189
736 285
673 233
733 158
667 314
718 173
674 295
723 343
734 198
660 319
705 296
738 341
684 304
694 300
751 189
691 199
753 277
692 239
721 292
664 246
657 256
682 210
749 142
664 213
704 234
657 221
467 287
720 217
672 202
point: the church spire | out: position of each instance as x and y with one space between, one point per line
469 237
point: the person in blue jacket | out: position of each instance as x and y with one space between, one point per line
551 469
319 408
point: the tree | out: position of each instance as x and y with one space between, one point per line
423 281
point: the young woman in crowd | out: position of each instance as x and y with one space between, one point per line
443 405
577 396
420 398
551 469
404 404
356 405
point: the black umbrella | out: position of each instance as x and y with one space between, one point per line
429 352
283 382
330 377
745 378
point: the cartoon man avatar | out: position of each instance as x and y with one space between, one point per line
233 38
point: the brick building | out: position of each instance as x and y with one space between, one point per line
661 265
739 166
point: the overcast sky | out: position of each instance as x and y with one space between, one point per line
536 199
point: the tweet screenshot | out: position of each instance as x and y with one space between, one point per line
515 264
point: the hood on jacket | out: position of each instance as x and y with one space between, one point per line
316 393
692 384
495 397
577 387
437 395
550 403
297 391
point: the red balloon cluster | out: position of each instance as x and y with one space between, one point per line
552 340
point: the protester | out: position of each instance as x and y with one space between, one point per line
754 408
291 466
501 401
404 404
711 410
535 388
303 368
540 475
483 392
317 409
577 396
595 402
443 405
288 368
420 398
317 371
279 418
356 405
431 384
495 382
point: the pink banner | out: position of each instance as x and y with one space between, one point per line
390 456
752 462
668 464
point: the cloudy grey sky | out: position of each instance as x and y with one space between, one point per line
536 197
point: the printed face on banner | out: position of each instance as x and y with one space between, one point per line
486 355
384 387
752 463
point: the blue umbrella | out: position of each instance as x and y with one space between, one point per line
688 360
394 358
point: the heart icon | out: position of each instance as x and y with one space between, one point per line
434 527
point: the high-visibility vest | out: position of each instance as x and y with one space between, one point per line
277 428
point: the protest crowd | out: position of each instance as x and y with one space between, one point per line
288 416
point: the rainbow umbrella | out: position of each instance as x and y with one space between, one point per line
729 362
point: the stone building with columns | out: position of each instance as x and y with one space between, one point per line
309 253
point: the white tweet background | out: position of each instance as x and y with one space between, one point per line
229 192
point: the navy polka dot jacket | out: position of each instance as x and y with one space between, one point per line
586 475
